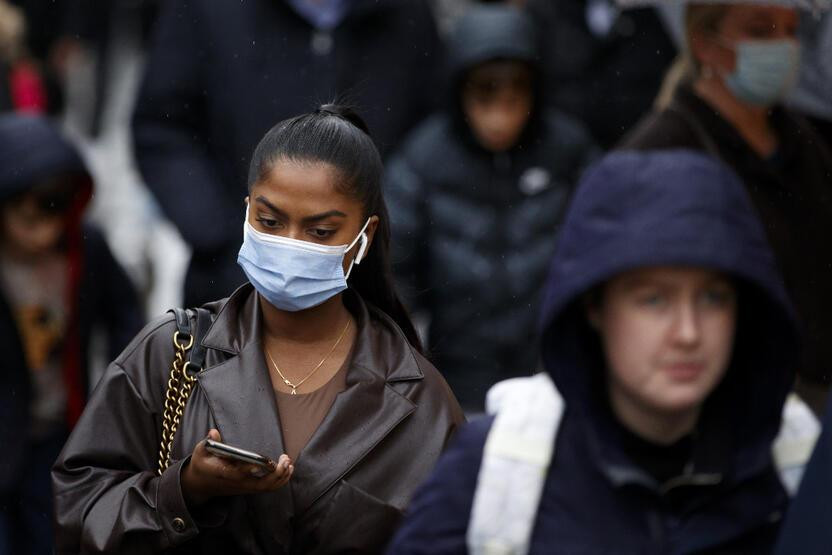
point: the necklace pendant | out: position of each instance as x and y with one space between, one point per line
301 382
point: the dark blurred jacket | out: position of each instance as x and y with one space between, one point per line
473 231
811 94
792 192
221 74
631 211
604 72
101 297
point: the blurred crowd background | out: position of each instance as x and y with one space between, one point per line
485 125
201 83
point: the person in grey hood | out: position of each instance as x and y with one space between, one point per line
670 339
476 196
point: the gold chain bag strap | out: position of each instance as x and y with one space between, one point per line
182 377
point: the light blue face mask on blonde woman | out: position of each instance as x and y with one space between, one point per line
295 275
765 72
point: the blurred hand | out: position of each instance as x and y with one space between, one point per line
207 475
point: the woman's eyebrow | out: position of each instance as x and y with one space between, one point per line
307 219
719 282
642 282
761 20
272 207
323 216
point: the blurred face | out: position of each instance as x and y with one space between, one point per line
31 226
743 22
668 334
301 201
497 100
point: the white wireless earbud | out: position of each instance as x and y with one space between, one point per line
362 249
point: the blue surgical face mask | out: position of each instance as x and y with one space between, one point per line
295 275
765 70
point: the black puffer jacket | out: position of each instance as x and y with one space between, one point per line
474 231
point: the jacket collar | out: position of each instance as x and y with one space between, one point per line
240 394
718 458
727 137
380 344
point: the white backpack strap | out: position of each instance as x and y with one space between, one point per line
515 462
794 444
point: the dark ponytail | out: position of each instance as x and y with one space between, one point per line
337 135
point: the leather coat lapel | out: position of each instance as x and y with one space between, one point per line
361 416
241 398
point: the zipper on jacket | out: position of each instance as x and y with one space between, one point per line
690 480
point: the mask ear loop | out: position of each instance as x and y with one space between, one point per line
359 256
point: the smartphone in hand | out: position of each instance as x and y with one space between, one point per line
237 454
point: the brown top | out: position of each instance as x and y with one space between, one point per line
301 414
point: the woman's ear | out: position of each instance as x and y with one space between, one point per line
709 54
247 215
372 225
700 50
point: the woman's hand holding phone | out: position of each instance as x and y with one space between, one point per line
208 475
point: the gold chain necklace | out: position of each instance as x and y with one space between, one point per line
295 386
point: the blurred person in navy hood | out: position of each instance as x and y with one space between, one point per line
58 280
476 196
669 336
220 74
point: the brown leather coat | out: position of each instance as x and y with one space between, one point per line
379 441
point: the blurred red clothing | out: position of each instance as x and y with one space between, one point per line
27 88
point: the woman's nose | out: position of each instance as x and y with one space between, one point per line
686 329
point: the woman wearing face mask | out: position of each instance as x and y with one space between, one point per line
669 337
725 97
314 364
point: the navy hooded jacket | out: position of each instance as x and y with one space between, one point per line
101 295
637 210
